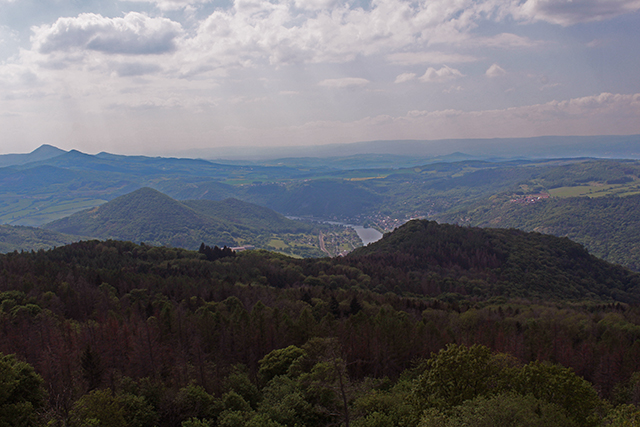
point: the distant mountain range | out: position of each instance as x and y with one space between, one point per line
384 152
604 146
43 152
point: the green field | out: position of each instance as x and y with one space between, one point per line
596 190
35 212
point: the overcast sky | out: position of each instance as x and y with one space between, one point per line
162 76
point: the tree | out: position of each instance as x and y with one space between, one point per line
278 362
457 373
21 392
559 385
91 368
504 410
98 408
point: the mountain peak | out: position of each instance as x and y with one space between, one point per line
44 152
47 150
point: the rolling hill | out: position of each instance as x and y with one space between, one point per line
424 257
608 226
146 215
17 238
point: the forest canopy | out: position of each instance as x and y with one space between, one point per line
135 335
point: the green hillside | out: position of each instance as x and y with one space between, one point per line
146 215
609 227
424 257
14 238
149 216
248 215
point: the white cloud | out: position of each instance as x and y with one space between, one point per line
315 4
343 82
251 33
285 32
503 41
569 12
133 34
405 77
172 4
7 34
442 75
495 71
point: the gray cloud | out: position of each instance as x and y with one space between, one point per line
133 34
131 69
568 12
344 82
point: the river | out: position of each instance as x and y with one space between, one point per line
367 235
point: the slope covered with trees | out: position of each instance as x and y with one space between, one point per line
18 238
608 226
427 257
142 335
146 215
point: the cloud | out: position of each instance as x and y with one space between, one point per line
7 34
495 71
336 31
252 33
444 74
343 82
412 58
172 4
130 69
504 41
569 12
315 4
405 77
133 34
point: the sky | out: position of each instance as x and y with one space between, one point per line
160 77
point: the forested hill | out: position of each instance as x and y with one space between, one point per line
453 262
146 215
248 215
609 226
425 257
159 336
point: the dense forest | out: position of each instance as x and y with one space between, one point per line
608 226
435 325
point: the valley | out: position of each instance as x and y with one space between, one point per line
504 266
467 191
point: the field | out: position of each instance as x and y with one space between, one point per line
17 210
596 189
